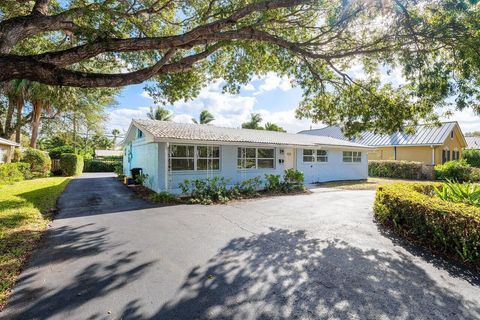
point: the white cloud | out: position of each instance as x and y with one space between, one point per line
120 118
248 87
467 120
146 95
272 81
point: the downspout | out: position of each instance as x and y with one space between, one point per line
167 150
433 155
394 153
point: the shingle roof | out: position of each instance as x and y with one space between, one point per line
473 142
164 130
9 142
424 135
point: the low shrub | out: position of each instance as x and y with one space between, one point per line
71 164
468 193
118 169
249 187
39 161
100 165
206 191
472 157
293 180
17 155
141 178
13 172
273 182
395 169
164 198
56 152
414 211
458 170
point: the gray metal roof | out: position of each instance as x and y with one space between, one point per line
167 130
473 142
424 135
9 142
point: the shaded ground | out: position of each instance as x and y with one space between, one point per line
306 256
370 184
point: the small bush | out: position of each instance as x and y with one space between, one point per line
249 187
273 182
118 169
293 180
17 155
472 157
71 164
206 191
11 172
100 165
468 193
39 161
395 169
458 170
164 198
414 211
56 153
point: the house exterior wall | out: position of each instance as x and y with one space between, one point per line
6 153
152 157
450 144
382 153
334 169
414 153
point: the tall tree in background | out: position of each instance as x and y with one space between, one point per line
254 122
183 45
115 134
204 118
269 126
159 113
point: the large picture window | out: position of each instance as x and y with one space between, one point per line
184 157
352 156
253 158
310 155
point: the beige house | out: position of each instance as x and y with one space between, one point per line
6 150
430 145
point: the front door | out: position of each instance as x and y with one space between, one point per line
289 158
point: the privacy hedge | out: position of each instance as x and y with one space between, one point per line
39 161
414 211
395 169
458 170
71 164
100 165
472 157
13 172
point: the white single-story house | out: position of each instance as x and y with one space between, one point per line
170 152
7 148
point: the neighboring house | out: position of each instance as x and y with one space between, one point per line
7 148
473 142
171 152
108 153
430 145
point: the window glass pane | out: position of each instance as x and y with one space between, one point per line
322 159
182 164
307 152
265 163
357 159
182 151
202 151
347 153
208 164
250 153
240 163
250 163
321 152
215 152
308 158
266 153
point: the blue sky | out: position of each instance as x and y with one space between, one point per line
271 96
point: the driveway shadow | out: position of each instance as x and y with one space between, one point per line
285 275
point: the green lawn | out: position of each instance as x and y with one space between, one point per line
25 210
370 184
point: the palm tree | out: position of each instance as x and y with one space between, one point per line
269 126
205 117
254 122
115 134
159 113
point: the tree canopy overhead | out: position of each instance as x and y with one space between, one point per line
184 44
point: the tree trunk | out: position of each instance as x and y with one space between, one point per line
18 129
7 131
37 112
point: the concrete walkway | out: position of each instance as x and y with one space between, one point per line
317 256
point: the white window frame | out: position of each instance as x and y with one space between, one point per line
315 156
354 155
256 158
195 158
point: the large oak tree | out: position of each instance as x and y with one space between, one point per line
183 44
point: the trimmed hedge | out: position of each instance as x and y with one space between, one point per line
57 152
13 172
472 157
39 161
414 211
458 170
395 169
100 165
71 164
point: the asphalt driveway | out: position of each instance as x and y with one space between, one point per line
317 256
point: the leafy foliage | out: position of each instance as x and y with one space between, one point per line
273 182
160 114
205 118
468 193
141 178
100 165
71 164
56 152
472 157
293 180
395 169
39 161
254 122
13 172
413 211
269 126
206 191
164 198
458 170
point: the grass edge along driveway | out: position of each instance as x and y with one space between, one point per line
25 210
